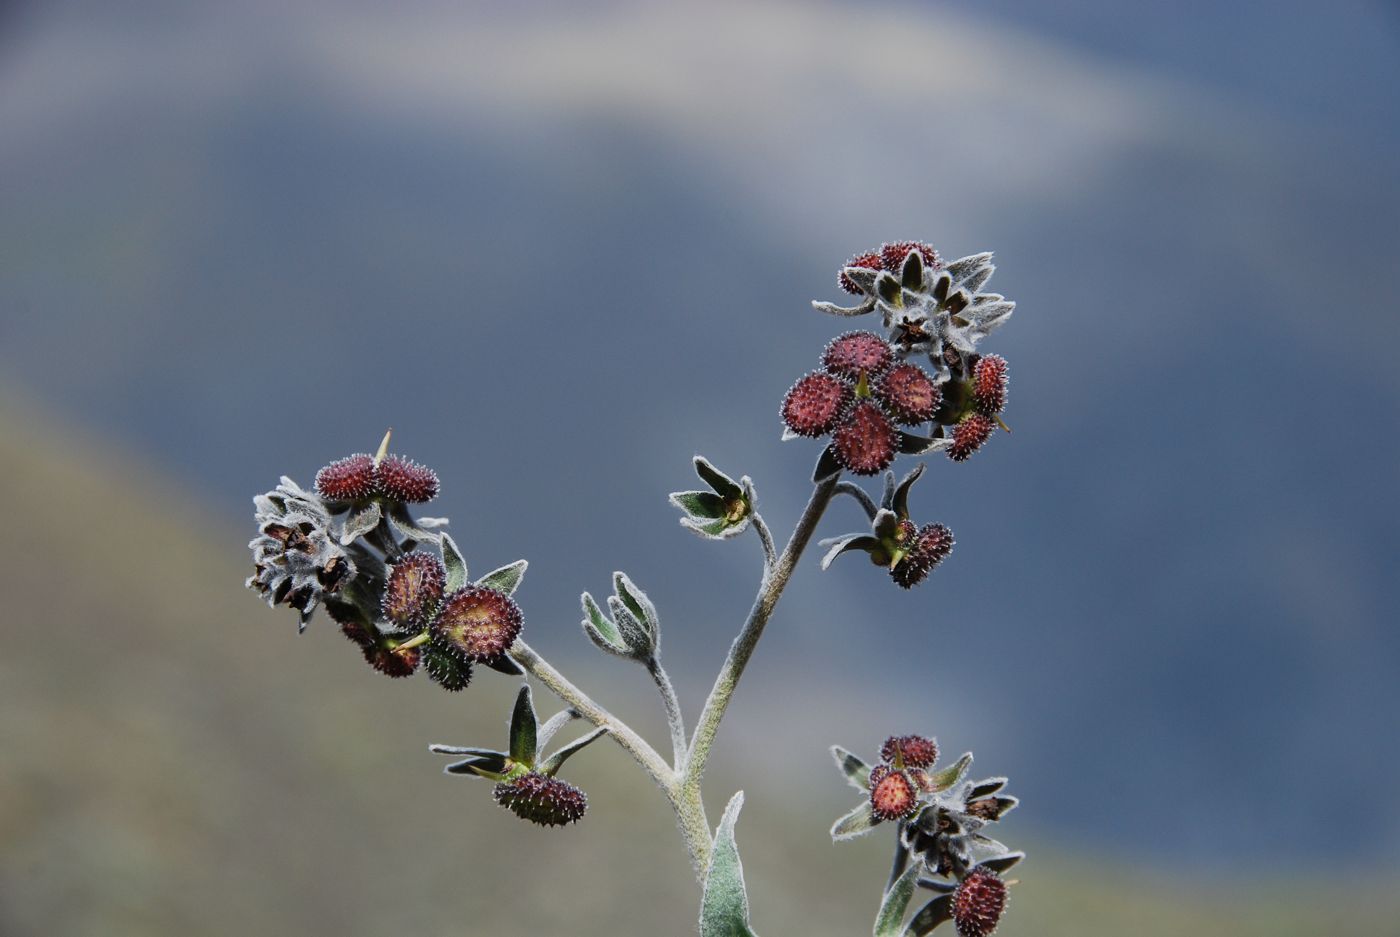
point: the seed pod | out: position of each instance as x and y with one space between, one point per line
856 353
477 623
989 385
865 441
814 403
910 751
349 479
413 590
402 479
933 543
892 793
978 903
542 800
968 436
909 394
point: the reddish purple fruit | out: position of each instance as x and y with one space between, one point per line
402 479
857 353
813 404
892 794
909 751
978 903
867 261
413 590
932 545
400 663
989 385
968 436
909 394
543 800
892 255
349 479
478 623
865 441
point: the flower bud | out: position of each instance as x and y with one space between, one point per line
402 479
909 394
989 385
856 353
978 903
542 800
813 404
477 623
349 479
892 793
909 751
968 436
413 590
868 261
865 441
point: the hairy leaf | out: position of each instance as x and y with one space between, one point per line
856 823
360 523
857 772
889 922
523 728
931 915
705 504
724 906
456 566
942 780
506 579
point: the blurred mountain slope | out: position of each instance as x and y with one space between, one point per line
178 761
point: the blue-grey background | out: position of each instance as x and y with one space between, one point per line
561 248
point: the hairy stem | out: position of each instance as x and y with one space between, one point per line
770 554
673 712
770 590
857 492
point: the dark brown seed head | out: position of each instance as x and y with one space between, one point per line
865 441
868 261
349 479
909 394
477 623
813 404
393 663
968 436
989 384
413 591
909 751
892 793
856 353
542 800
978 903
404 480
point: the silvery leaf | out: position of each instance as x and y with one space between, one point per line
454 564
857 772
360 523
859 821
889 922
724 906
506 579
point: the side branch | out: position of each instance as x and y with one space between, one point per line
673 713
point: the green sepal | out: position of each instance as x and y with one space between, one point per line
1001 864
888 288
724 906
985 787
856 771
506 579
899 502
936 912
551 765
911 275
523 726
914 444
493 768
600 629
639 605
856 823
403 522
505 664
719 515
844 544
827 465
360 523
942 780
889 922
704 504
724 486
454 564
468 750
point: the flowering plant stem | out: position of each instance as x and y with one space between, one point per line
680 781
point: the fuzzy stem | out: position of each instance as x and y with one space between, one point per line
770 554
770 590
857 492
674 718
555 723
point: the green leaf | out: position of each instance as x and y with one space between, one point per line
724 486
360 523
403 522
942 780
551 765
637 602
718 529
724 907
599 628
931 915
704 504
506 579
857 772
492 767
859 821
453 562
522 729
890 921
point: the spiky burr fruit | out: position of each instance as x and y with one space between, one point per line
892 255
989 385
393 663
478 623
446 669
909 394
413 590
867 261
352 478
856 353
542 800
972 431
814 403
865 441
929 548
402 479
978 903
892 794
909 751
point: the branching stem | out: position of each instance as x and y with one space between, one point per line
673 713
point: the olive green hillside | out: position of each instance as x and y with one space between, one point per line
176 761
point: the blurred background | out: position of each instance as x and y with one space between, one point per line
560 248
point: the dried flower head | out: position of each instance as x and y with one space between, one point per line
542 800
413 590
478 623
865 441
813 404
893 795
402 479
296 557
972 431
910 751
352 478
978 903
989 384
